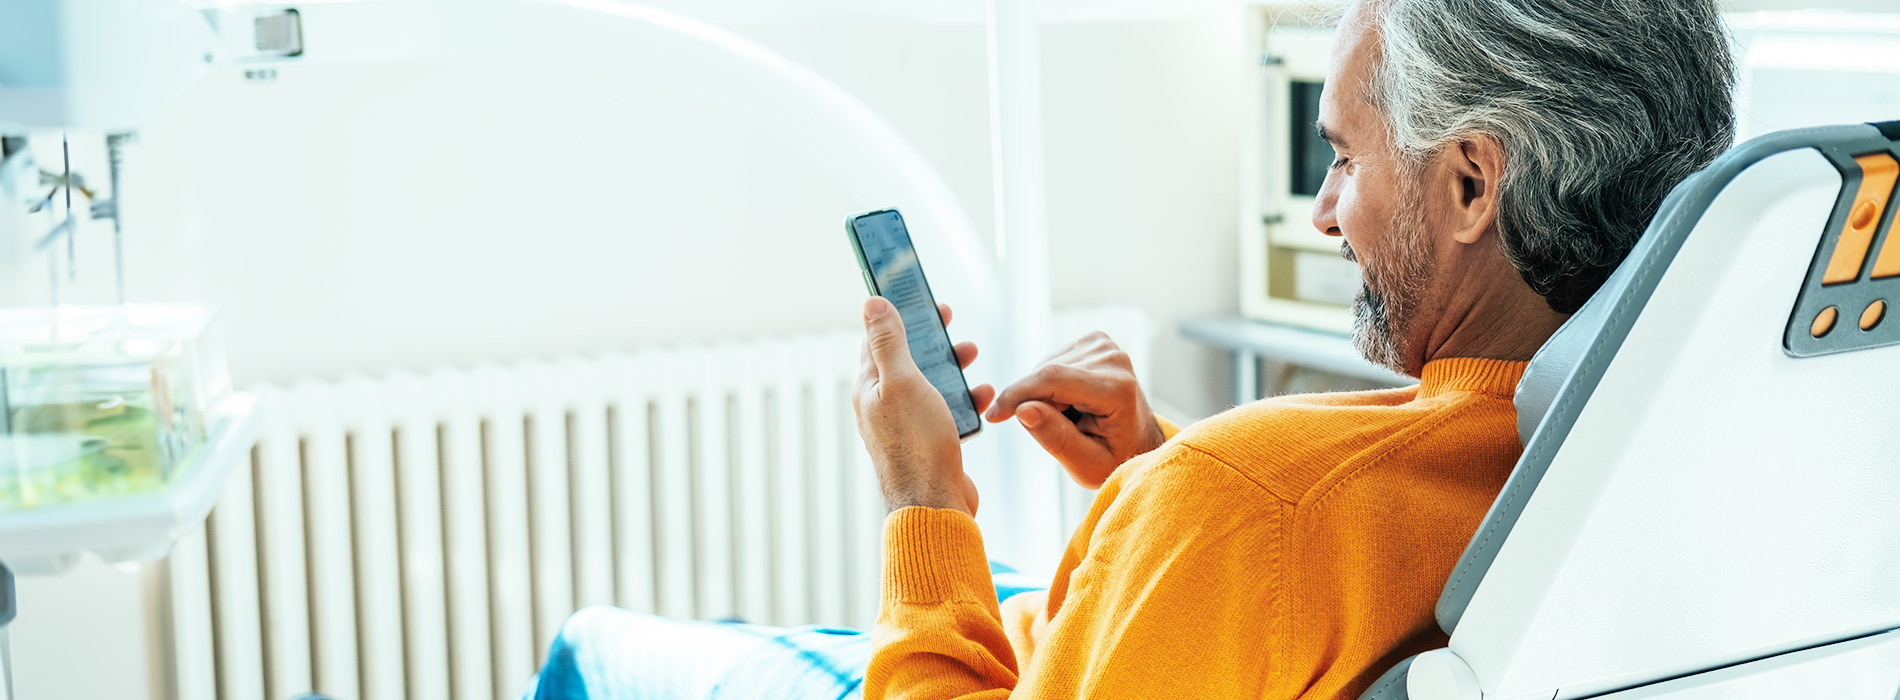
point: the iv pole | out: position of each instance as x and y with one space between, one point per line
1022 244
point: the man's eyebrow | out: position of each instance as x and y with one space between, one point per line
1327 135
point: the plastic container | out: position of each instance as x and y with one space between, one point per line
102 402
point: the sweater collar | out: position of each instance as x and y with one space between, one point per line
1470 374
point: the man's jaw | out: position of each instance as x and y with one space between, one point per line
1372 330
1371 324
1391 289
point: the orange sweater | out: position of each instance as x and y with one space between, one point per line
1288 548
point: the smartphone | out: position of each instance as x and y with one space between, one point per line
891 270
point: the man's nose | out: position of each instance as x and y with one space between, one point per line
1325 209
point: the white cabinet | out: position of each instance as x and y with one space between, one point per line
1289 271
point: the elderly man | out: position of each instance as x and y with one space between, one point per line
1496 160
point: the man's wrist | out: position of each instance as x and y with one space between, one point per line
934 498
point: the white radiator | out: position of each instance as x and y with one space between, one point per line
425 535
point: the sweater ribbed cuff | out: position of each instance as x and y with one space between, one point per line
934 555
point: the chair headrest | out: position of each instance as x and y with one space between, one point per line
1558 359
1564 373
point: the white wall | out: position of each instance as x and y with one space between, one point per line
1141 136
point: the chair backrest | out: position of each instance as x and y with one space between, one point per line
1706 480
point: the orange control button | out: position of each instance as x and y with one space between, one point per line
1823 322
1863 216
1871 317
1878 172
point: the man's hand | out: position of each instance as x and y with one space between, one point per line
905 423
1086 409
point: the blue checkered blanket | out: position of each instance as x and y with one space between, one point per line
605 653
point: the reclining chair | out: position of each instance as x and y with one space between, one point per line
1708 504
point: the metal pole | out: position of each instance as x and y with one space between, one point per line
1022 242
72 228
1022 219
115 151
7 608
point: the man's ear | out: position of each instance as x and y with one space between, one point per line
1476 165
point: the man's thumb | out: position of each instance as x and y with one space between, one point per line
1057 434
884 330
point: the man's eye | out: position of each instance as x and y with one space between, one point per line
1338 163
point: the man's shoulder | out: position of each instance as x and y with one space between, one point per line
1291 444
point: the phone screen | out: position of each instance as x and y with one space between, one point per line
892 271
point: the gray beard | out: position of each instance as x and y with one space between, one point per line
1372 330
1389 292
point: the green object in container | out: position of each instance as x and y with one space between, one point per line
115 451
102 402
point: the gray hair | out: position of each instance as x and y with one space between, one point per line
1602 107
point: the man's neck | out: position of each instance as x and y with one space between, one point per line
1500 320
